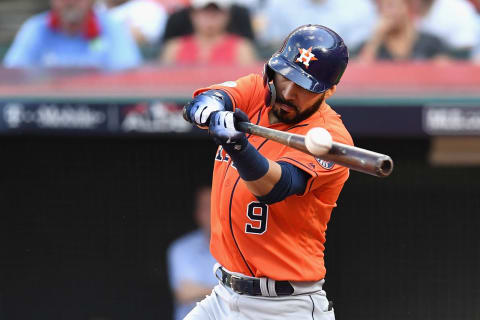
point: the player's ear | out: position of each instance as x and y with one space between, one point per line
330 92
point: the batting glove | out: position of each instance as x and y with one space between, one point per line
223 131
199 110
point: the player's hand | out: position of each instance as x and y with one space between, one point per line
223 131
199 110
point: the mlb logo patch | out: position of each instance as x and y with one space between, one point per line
325 164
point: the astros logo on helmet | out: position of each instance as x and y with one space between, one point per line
306 56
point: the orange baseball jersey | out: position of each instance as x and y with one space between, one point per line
284 240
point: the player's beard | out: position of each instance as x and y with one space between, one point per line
284 116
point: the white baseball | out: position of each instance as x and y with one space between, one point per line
318 141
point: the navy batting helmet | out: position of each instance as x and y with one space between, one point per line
312 56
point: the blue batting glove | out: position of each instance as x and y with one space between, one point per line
223 131
199 110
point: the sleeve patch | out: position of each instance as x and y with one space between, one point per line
325 164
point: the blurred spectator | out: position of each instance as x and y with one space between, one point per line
251 5
454 21
72 34
180 24
145 18
396 36
352 20
476 50
190 263
210 42
476 4
173 5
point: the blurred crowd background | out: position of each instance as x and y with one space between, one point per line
120 34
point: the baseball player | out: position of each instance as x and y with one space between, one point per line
271 203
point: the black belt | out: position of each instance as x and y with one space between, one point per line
251 287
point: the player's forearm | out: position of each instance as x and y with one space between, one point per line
269 181
265 184
259 173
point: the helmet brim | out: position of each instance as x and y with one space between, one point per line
296 74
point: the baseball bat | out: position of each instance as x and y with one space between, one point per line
355 158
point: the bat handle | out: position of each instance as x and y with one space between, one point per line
243 127
293 140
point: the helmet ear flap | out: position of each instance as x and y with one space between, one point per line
270 92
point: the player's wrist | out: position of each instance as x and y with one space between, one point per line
236 146
250 164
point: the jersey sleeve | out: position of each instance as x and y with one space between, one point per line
244 92
323 174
